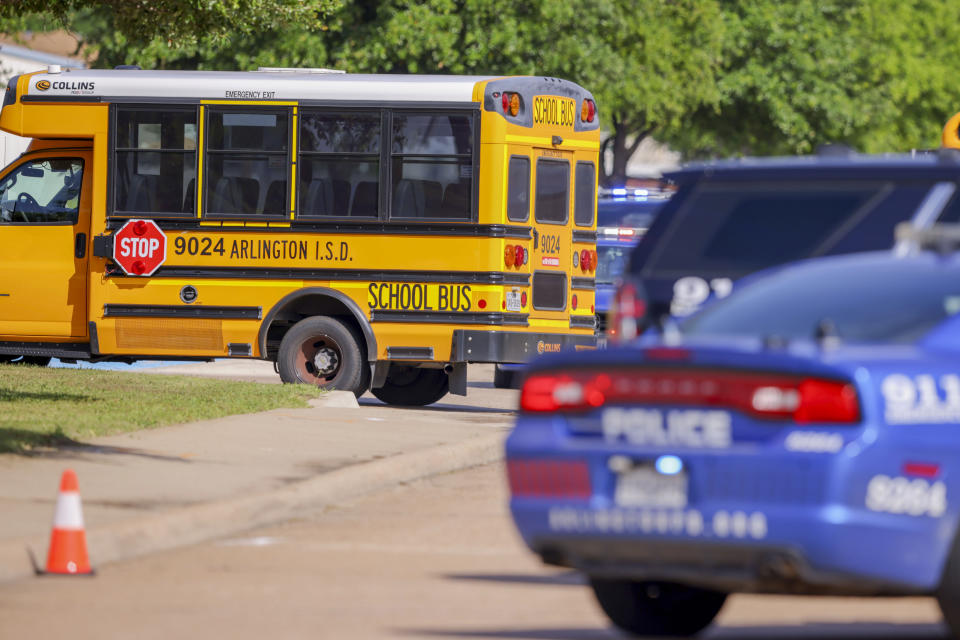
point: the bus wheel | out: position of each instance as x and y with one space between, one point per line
657 608
948 593
503 379
323 352
413 386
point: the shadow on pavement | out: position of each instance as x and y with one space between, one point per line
32 444
598 633
567 578
831 631
438 407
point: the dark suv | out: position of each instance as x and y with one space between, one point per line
729 219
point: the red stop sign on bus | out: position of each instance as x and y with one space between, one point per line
139 247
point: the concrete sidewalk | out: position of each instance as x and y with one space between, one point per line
184 483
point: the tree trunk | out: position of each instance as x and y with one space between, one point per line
623 142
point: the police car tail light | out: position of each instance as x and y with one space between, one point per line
827 401
563 392
627 310
803 400
531 478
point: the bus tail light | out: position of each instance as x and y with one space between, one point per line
585 260
627 313
588 111
573 302
593 260
511 103
509 255
764 396
519 256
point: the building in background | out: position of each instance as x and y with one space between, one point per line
14 60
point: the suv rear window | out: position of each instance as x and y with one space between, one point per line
738 229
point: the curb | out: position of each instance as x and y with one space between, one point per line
202 522
339 399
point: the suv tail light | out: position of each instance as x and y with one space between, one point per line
627 313
773 397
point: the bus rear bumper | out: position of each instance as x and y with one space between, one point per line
471 345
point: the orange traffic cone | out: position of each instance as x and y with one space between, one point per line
68 542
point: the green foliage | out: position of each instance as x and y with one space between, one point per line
709 77
875 74
178 22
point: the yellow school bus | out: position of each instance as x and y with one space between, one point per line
361 231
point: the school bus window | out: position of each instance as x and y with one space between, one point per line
155 162
553 191
584 197
518 189
339 164
42 191
246 167
432 165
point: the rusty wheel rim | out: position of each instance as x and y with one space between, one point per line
318 360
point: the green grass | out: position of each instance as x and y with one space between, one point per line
51 407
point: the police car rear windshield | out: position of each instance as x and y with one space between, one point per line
841 297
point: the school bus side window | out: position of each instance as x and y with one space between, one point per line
518 189
339 164
42 191
553 191
584 198
155 164
432 166
246 170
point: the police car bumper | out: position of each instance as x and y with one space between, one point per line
751 517
814 550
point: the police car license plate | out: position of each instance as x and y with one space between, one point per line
513 301
645 487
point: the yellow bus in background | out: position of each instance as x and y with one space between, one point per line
361 231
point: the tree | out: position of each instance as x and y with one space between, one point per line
874 74
179 22
709 77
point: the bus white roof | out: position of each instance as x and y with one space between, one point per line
254 85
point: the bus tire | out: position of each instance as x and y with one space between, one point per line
323 352
502 379
413 386
948 592
657 608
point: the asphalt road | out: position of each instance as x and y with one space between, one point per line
435 559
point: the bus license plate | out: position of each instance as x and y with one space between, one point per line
645 487
513 301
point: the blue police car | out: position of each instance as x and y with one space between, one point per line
623 216
799 436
